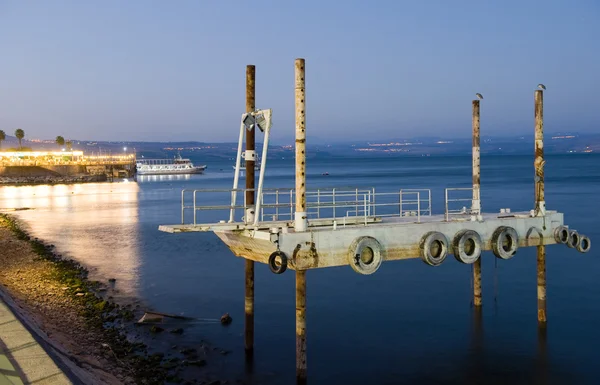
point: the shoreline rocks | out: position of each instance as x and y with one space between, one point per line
50 179
102 334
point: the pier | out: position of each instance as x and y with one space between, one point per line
301 228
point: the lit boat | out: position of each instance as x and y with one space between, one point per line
178 165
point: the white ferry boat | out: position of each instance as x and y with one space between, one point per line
178 165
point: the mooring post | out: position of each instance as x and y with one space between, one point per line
540 204
249 155
476 203
300 223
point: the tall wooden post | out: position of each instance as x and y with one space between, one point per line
476 202
540 204
250 158
300 218
300 222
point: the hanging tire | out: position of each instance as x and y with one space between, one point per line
365 255
561 234
466 246
574 239
434 248
278 262
584 244
505 242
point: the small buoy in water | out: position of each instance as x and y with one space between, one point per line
226 319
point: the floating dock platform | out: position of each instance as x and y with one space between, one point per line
302 229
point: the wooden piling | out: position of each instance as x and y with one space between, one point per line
476 202
301 326
300 217
541 283
249 268
540 204
300 222
477 283
250 143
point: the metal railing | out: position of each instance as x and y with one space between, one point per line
453 202
278 204
218 207
411 198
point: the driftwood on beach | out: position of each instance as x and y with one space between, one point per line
153 316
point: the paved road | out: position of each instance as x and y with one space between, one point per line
22 359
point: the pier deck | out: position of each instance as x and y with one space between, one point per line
326 244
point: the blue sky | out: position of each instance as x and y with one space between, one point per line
175 70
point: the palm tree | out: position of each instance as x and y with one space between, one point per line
60 141
20 134
2 137
69 145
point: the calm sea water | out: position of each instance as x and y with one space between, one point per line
408 323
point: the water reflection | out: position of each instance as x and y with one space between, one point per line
162 178
477 346
424 337
542 355
95 223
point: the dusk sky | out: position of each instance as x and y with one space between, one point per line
175 70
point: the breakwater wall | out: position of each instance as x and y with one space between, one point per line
42 171
59 174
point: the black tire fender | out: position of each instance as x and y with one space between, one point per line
278 262
574 239
584 244
355 255
502 250
561 234
459 246
427 254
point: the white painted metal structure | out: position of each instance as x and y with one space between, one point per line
337 217
262 118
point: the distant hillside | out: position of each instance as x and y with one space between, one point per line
418 146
